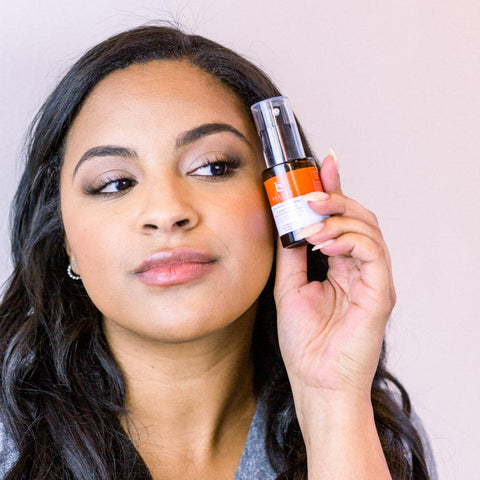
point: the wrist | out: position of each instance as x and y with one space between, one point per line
330 407
340 435
334 414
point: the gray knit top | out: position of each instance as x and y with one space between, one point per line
254 463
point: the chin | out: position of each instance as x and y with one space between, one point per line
173 329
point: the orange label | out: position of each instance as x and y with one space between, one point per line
292 184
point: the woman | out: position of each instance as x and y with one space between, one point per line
139 327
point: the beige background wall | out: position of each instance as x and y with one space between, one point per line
393 87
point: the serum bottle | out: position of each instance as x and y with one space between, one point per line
289 174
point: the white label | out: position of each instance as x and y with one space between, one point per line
293 214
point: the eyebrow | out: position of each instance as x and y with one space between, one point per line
105 151
195 134
184 139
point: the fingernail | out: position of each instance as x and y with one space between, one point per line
323 244
315 196
332 153
309 230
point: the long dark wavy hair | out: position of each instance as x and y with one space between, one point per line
62 393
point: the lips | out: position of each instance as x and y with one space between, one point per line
174 267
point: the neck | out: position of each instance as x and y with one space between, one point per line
190 395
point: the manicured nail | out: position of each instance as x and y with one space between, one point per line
334 155
309 230
315 196
323 244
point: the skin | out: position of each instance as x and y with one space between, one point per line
184 349
332 353
186 360
108 237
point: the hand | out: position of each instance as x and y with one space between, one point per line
331 332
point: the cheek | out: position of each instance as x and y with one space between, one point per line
256 241
97 247
94 243
247 219
248 232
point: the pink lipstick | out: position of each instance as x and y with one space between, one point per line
174 267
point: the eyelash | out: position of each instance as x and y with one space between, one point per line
230 163
105 182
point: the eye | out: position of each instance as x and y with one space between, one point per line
111 186
214 169
117 186
222 166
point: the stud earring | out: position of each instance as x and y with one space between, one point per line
71 274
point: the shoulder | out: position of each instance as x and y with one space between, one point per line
8 453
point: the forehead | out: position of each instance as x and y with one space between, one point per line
170 88
146 107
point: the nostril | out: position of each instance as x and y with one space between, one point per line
151 226
182 223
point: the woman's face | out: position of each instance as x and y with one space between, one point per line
163 204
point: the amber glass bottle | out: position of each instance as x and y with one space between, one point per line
289 174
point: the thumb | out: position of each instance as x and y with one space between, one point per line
291 270
329 175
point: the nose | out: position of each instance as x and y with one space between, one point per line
167 207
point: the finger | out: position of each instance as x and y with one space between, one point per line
329 175
339 204
291 269
371 257
333 227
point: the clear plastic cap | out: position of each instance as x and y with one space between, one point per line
278 130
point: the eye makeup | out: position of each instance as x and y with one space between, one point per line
220 167
210 167
120 181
